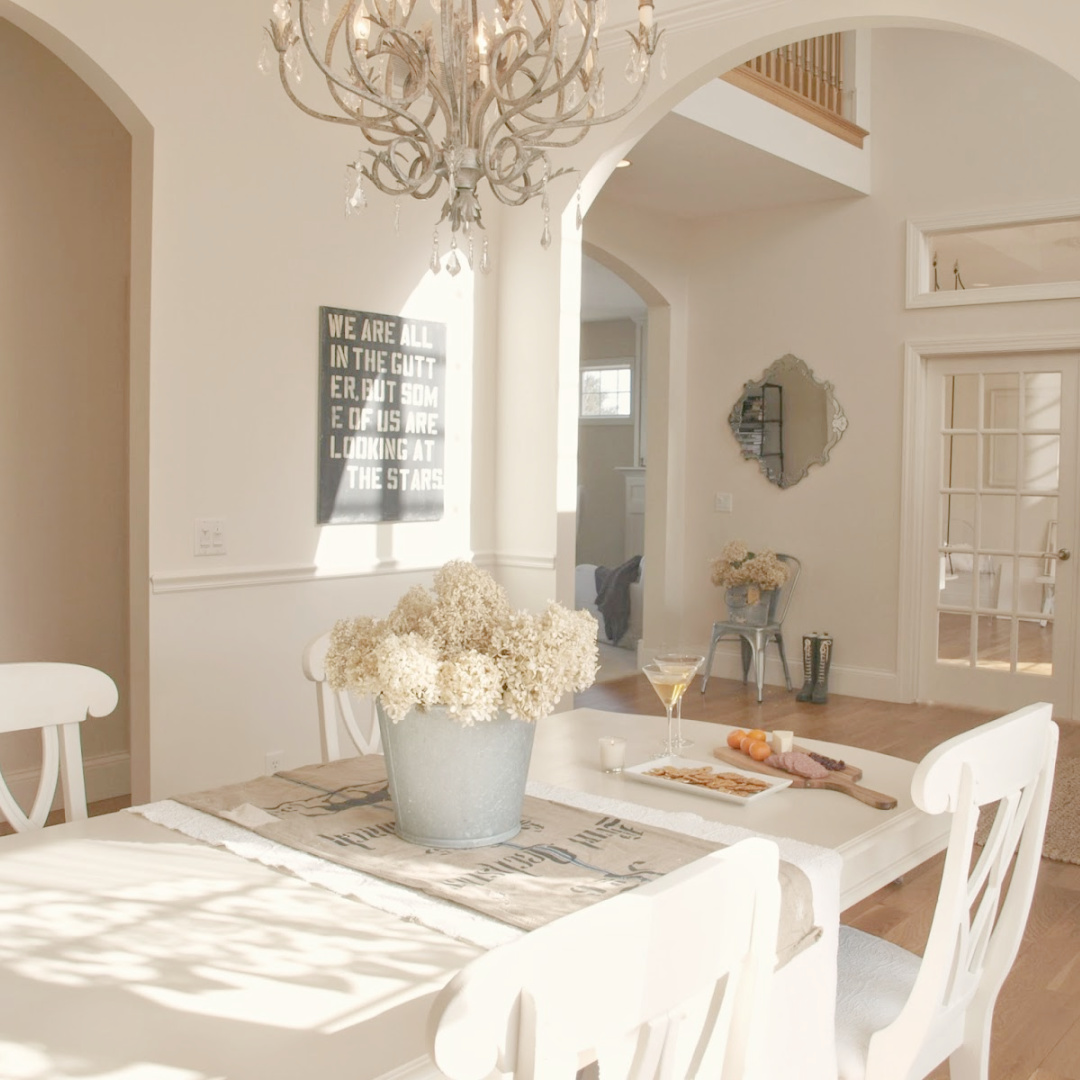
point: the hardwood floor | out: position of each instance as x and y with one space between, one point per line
104 806
1037 1020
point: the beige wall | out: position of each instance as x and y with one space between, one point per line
959 123
65 207
602 448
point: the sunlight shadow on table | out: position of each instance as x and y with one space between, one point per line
237 969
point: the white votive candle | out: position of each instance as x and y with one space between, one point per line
782 741
612 753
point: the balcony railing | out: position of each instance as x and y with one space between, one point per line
806 78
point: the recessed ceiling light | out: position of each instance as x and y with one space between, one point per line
624 164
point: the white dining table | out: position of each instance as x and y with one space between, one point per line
129 951
877 846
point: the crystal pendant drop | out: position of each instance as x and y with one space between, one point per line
577 216
355 196
265 64
633 73
485 258
282 10
663 58
453 264
545 237
435 264
325 11
472 250
397 216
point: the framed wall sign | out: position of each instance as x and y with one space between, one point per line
382 383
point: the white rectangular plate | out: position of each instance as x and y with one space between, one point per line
640 772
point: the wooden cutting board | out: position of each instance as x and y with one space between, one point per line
844 780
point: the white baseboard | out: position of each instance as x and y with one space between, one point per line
852 681
107 776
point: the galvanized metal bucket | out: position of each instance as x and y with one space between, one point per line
741 611
452 785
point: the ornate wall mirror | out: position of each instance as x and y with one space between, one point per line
787 421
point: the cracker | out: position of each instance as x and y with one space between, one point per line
731 783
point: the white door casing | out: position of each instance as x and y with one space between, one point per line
987 618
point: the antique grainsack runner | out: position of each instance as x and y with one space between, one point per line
565 857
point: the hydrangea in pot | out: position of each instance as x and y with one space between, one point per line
459 679
751 579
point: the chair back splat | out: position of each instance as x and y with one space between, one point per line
56 699
667 982
336 708
981 911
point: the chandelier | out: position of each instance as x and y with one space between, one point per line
462 97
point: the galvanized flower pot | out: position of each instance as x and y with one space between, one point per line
741 611
452 785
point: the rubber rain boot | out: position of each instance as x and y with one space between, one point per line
810 652
821 679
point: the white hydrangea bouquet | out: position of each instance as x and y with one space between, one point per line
461 645
738 565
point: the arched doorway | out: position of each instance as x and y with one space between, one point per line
76 376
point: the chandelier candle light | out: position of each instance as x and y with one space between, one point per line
484 96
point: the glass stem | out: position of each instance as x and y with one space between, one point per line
670 731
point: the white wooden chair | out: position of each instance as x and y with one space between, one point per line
670 981
335 706
56 698
898 1017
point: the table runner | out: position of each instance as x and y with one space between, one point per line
565 857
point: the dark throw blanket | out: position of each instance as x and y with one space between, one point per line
613 596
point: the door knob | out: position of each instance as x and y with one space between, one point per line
1063 554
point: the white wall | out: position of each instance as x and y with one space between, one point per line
239 238
959 123
247 239
65 209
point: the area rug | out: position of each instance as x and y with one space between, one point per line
1062 842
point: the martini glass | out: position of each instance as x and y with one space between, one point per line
680 662
669 687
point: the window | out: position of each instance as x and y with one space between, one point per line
1028 253
607 392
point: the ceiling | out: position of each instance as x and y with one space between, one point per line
691 171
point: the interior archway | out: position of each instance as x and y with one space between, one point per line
673 516
135 320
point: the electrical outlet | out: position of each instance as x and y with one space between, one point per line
724 503
273 761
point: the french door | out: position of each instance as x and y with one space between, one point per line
996 616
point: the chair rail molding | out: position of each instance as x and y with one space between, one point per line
173 581
913 512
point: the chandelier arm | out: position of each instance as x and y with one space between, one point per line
573 71
590 122
399 184
545 124
386 104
